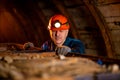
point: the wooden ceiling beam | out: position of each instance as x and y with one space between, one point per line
108 1
102 26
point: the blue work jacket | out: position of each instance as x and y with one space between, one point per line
74 44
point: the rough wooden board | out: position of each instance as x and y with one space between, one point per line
47 66
17 56
112 10
108 1
111 19
44 68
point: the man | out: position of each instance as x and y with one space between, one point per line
60 42
58 28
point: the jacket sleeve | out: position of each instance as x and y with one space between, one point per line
44 46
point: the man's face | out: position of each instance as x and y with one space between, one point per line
58 36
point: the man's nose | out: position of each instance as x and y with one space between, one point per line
57 33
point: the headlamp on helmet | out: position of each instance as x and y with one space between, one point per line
58 24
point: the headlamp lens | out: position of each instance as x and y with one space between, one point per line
57 24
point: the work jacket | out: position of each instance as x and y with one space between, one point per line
75 45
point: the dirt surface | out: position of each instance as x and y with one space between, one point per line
44 66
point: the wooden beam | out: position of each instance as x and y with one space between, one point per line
105 60
108 1
102 26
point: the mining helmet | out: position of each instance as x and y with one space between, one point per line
58 22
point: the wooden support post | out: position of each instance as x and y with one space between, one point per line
102 26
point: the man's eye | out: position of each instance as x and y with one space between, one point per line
53 31
61 30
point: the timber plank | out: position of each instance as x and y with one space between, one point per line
103 28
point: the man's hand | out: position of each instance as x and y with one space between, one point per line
62 50
28 45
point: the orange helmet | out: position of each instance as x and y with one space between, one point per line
58 22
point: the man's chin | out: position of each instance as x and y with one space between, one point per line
58 43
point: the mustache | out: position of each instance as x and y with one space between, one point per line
57 37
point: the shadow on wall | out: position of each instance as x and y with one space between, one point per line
20 22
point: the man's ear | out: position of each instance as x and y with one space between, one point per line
50 31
